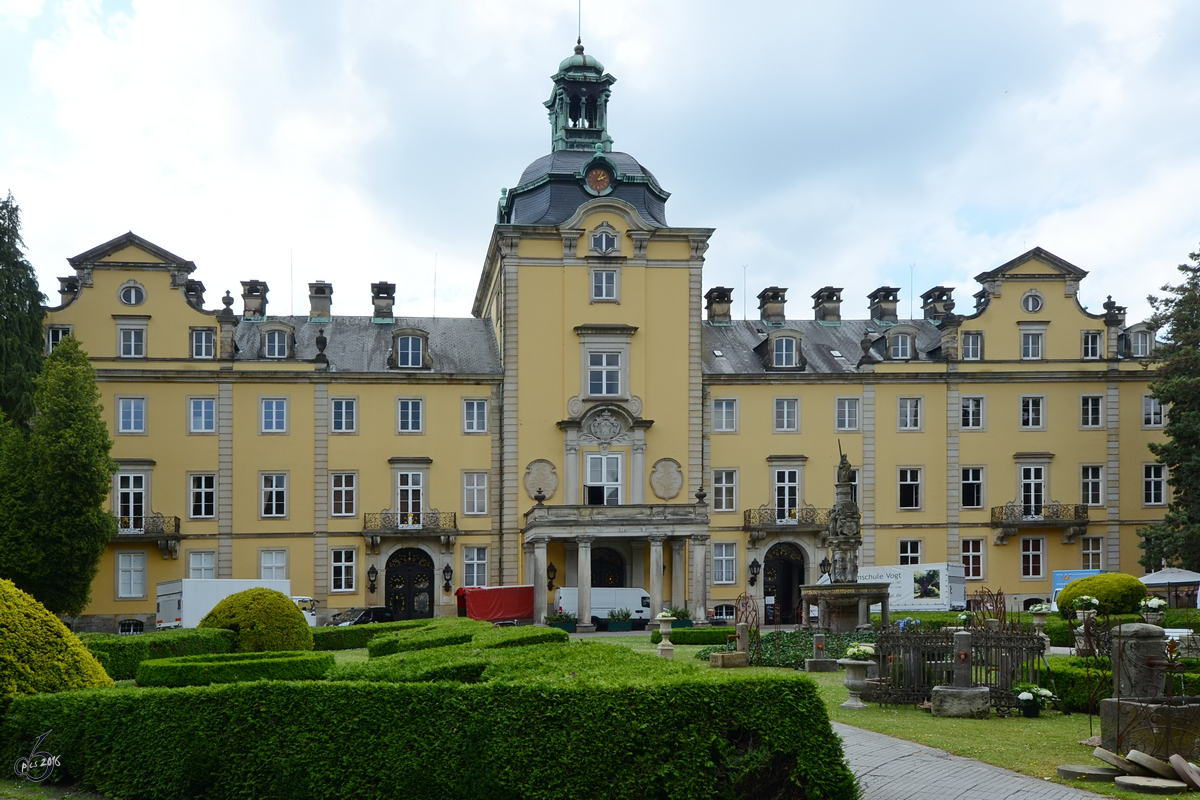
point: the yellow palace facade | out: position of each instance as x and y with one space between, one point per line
603 420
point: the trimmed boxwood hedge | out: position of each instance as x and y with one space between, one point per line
407 641
578 724
232 667
1074 680
352 637
264 620
481 634
122 654
717 635
1117 592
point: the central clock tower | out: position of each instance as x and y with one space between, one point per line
579 105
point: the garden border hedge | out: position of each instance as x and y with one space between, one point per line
121 655
352 637
280 665
707 635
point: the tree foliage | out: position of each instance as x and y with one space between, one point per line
21 313
55 481
1176 540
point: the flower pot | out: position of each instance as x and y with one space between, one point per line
1158 618
620 624
1039 621
855 681
569 627
1030 709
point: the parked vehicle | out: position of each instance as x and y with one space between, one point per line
940 586
1061 577
308 606
566 600
361 616
183 603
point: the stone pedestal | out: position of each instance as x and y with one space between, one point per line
855 682
974 702
734 659
1144 725
665 648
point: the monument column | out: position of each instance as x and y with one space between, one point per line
584 581
656 575
539 581
699 579
678 574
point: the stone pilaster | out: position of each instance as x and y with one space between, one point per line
656 575
866 483
225 480
584 582
678 574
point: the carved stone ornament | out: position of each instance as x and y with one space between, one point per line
635 406
575 407
666 479
604 428
540 475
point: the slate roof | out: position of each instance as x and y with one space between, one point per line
358 344
819 341
557 192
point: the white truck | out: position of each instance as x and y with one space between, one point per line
604 600
920 587
183 603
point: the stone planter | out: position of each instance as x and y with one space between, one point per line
1083 634
569 627
855 681
1158 618
1039 621
620 624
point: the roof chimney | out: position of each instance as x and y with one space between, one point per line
770 305
67 289
254 299
194 292
827 304
937 302
320 301
383 295
883 303
717 303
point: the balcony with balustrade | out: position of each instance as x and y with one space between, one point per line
410 524
770 519
164 531
1070 518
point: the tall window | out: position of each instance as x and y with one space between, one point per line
274 415
854 485
972 487
344 415
342 568
787 493
785 351
604 284
474 566
1091 344
202 343
1031 345
1033 491
274 565
202 564
344 486
910 551
410 490
131 501
131 574
475 492
972 558
203 496
276 344
1154 482
786 416
1089 486
724 415
203 415
724 563
1089 411
972 413
910 489
604 373
1032 551
55 334
901 346
408 351
910 414
408 416
132 415
133 342
603 475
474 416
1141 344
1089 552
1032 412
847 413
274 495
724 490
972 346
1152 412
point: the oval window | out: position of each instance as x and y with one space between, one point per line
1032 303
132 295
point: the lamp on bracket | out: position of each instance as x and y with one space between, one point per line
755 568
551 572
447 574
372 576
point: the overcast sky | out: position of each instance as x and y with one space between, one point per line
827 143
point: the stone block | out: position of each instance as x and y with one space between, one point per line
1132 783
1144 726
970 703
1083 772
1159 767
728 660
1114 760
821 665
1187 773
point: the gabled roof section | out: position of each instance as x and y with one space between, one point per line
1036 254
125 240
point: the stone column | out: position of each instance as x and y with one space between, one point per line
637 489
678 574
864 612
570 472
540 600
700 580
656 575
962 660
584 582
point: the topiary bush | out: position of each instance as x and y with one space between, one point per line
122 654
263 619
234 667
37 652
1117 592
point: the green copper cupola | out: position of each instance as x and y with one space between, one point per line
579 105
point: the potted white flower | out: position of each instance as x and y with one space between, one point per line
858 659
1033 699
1152 610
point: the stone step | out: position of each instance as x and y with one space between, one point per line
1080 772
1160 768
1135 783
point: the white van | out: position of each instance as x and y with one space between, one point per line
605 600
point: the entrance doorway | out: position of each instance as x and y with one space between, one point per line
783 573
408 582
608 568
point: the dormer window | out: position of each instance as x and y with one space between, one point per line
275 344
408 351
132 294
604 240
785 352
1142 344
901 346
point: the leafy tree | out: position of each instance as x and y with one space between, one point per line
54 483
1176 540
21 314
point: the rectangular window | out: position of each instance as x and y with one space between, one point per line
910 489
408 352
1091 344
274 495
276 344
910 551
900 346
1154 484
1141 344
724 563
1032 551
131 502
847 414
131 416
603 476
131 574
787 493
203 495
1032 412
343 415
725 415
972 346
1033 492
273 565
54 335
202 416
475 416
724 490
787 418
972 413
409 418
1089 552
972 559
1152 412
1089 411
343 487
1031 345
202 343
410 497
474 566
972 487
274 415
785 351
604 284
202 564
342 568
133 342
854 485
1090 486
604 373
475 493
910 414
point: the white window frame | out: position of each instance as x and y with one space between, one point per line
343 415
1032 416
404 419
1091 552
1033 558
275 567
1153 413
783 352
132 494
724 483
847 413
782 406
607 340
972 346
1091 484
601 289
342 562
972 555
276 344
908 414
279 407
1086 404
1092 345
407 354
203 343
131 415
909 551
202 564
724 611
207 407
901 347
131 340
604 370
910 476
474 566
725 415
475 493
1141 344
131 574
1154 485
202 492
138 293
724 563
787 489
1033 489
275 483
977 478
475 415
606 485
343 494
1033 341
979 404
410 488
55 334
1032 302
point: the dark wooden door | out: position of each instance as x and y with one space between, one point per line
783 572
608 568
409 585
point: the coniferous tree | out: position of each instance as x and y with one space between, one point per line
1176 540
21 313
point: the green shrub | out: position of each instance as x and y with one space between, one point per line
519 637
122 654
233 667
410 641
37 652
1117 592
352 637
695 635
1079 683
791 648
263 619
1060 633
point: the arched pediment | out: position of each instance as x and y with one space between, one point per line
625 211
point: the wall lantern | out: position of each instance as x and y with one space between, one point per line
755 568
825 565
372 576
447 573
551 571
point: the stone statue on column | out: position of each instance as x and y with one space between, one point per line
845 527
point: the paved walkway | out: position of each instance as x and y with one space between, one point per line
894 769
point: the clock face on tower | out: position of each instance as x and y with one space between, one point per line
598 179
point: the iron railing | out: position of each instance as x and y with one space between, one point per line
1015 513
152 524
414 521
805 516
